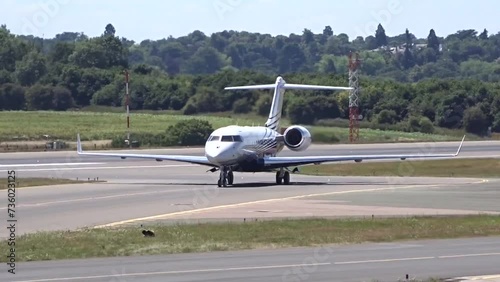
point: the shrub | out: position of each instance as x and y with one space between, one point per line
387 117
426 125
190 132
475 121
242 106
496 123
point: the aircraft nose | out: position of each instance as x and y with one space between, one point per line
219 154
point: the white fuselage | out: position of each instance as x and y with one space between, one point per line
233 145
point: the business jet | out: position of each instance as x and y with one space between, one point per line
254 148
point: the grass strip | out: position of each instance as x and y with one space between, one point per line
432 168
20 125
207 237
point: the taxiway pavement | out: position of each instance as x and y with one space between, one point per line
135 195
365 262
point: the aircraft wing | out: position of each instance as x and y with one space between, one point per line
201 160
277 162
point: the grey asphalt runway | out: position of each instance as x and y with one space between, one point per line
470 149
366 262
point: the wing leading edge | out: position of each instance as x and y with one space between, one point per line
275 162
201 160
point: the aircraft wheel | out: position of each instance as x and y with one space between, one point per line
286 178
230 178
279 179
219 184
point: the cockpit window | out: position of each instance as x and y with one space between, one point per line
231 138
214 138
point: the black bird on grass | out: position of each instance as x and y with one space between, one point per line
147 233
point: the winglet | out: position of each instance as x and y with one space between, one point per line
460 147
78 143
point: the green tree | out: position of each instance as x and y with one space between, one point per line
291 58
408 59
263 105
426 125
191 132
475 121
483 35
387 117
12 97
327 31
42 97
432 40
109 30
496 123
300 112
380 37
327 64
206 60
31 68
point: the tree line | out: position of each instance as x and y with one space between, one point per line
415 84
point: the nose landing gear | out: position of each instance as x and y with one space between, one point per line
226 177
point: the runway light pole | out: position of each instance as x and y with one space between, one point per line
127 99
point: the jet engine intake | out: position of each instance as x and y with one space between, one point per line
297 138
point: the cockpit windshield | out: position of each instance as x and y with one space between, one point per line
214 138
226 138
231 138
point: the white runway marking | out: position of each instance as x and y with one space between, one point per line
178 272
493 278
48 164
98 168
94 198
471 255
382 260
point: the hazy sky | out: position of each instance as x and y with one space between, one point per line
156 19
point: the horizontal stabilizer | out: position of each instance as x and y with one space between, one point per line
251 87
317 87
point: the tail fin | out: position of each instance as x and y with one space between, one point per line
273 120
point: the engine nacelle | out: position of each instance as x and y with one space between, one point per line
297 138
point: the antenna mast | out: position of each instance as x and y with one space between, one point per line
353 97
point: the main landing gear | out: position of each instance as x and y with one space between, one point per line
282 177
226 177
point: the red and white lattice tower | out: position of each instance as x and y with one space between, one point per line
127 99
354 64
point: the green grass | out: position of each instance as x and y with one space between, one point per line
209 237
16 125
438 168
30 182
